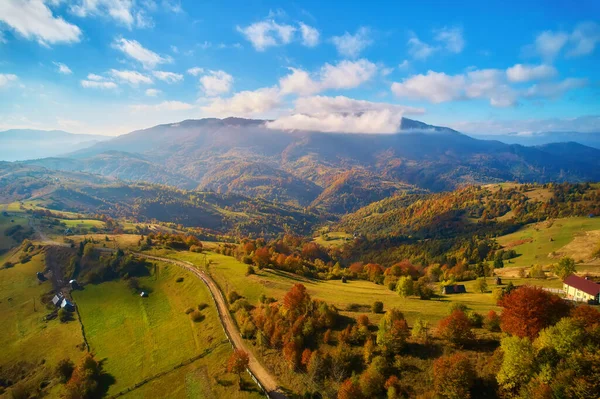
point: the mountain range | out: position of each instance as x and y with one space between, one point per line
336 172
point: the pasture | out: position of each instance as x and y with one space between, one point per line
546 242
141 337
229 273
29 343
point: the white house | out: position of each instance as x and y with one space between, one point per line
581 289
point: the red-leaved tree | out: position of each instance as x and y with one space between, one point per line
456 328
527 310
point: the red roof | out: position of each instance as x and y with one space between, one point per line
587 286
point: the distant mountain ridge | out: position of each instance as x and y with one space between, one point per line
22 144
334 171
590 139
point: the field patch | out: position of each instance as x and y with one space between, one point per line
540 243
140 337
25 338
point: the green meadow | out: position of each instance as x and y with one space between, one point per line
139 337
542 243
229 274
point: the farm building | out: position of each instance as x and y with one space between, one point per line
454 289
68 305
57 299
581 289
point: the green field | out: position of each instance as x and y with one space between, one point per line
333 239
7 222
140 337
542 243
83 223
230 275
24 336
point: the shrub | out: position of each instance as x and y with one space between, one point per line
476 319
64 315
202 306
64 370
196 316
7 265
196 248
189 310
353 307
250 270
536 271
179 280
377 307
492 321
233 296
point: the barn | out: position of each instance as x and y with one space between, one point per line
454 289
581 289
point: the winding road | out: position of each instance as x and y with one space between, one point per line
260 373
263 377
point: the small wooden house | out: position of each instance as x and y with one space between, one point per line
454 289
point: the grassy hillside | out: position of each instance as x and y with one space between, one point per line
31 347
141 337
545 242
230 274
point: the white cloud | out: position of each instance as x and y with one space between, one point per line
386 71
351 46
124 12
438 87
581 41
133 78
584 39
216 83
299 82
245 103
152 92
2 38
452 38
169 77
418 49
32 19
548 44
526 73
555 89
164 106
69 124
135 50
342 104
94 77
343 114
403 64
310 35
489 84
62 68
344 75
195 71
267 33
5 79
94 84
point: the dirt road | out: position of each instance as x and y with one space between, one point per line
260 373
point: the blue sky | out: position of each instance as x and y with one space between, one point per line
113 66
